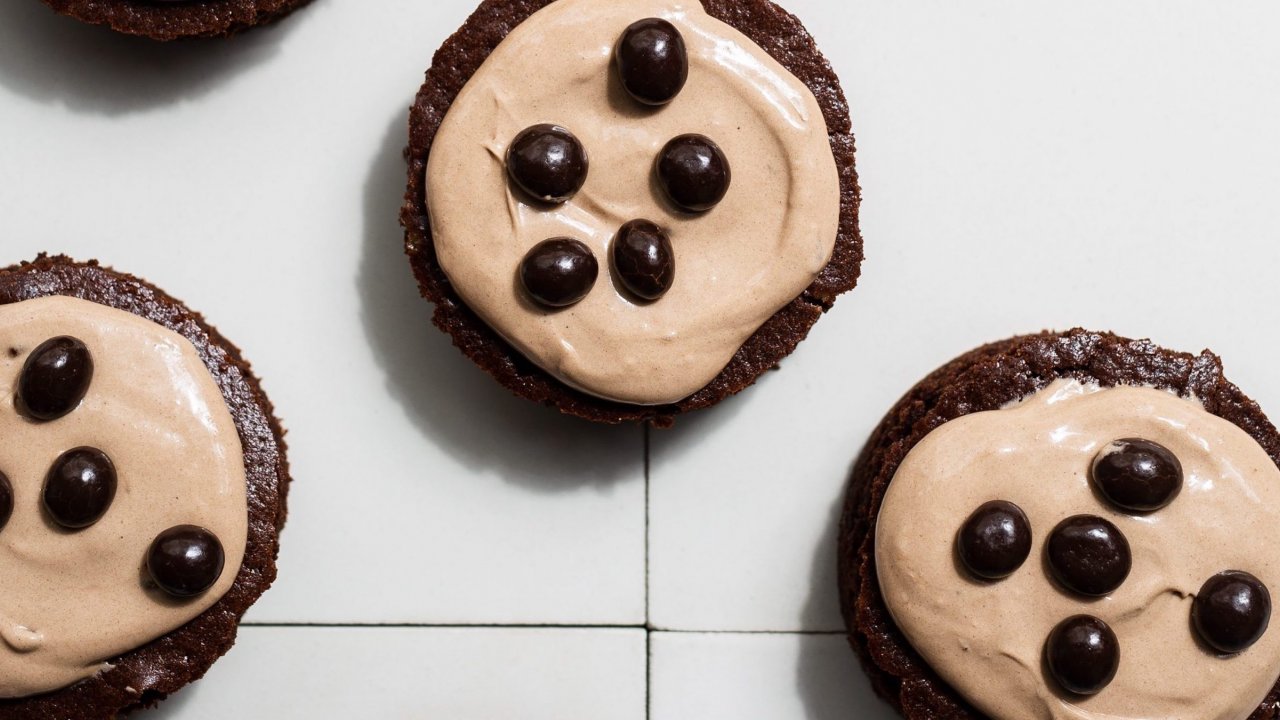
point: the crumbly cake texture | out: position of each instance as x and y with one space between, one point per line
144 676
168 21
986 379
785 39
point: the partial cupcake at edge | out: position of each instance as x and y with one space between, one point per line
142 491
1068 526
630 209
175 19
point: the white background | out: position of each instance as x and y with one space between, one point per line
1025 165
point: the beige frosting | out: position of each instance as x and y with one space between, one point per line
986 639
72 600
735 266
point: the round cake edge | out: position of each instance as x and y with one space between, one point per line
168 23
781 35
987 378
146 675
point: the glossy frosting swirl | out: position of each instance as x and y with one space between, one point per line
986 639
71 601
735 266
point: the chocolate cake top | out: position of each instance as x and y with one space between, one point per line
1134 573
176 19
735 171
143 675
784 39
145 444
988 379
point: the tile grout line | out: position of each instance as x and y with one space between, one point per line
647 625
648 675
647 470
648 634
649 631
797 633
445 626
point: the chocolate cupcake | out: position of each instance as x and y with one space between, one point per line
142 492
1068 525
629 209
175 19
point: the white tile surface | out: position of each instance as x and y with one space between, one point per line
758 677
1025 165
259 180
421 674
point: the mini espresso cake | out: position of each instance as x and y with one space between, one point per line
1069 525
174 19
628 209
142 491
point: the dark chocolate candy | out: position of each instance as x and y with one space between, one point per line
80 487
55 378
548 163
186 560
1231 611
644 259
694 172
559 272
1088 555
6 500
995 540
653 63
1083 654
1137 475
